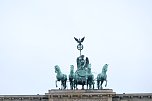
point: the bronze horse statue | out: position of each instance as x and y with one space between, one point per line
60 77
71 77
102 77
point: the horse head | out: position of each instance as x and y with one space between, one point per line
104 69
57 68
71 69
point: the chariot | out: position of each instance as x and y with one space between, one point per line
83 73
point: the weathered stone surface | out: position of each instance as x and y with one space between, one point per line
23 98
81 95
133 97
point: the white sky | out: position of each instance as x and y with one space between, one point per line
35 35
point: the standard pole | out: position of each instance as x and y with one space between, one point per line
80 52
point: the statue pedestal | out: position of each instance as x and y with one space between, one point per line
81 95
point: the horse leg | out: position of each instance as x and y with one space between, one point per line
83 83
71 84
93 84
75 84
101 84
98 84
56 83
65 85
61 85
87 84
90 85
82 86
106 83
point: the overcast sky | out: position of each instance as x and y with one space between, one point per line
36 35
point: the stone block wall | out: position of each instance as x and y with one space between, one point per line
23 98
133 97
81 95
77 97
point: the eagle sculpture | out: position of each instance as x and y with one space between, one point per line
78 40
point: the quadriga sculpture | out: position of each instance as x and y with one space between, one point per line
60 77
90 79
102 77
71 77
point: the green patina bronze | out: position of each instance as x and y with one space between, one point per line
82 75
90 80
102 77
60 77
71 77
79 46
